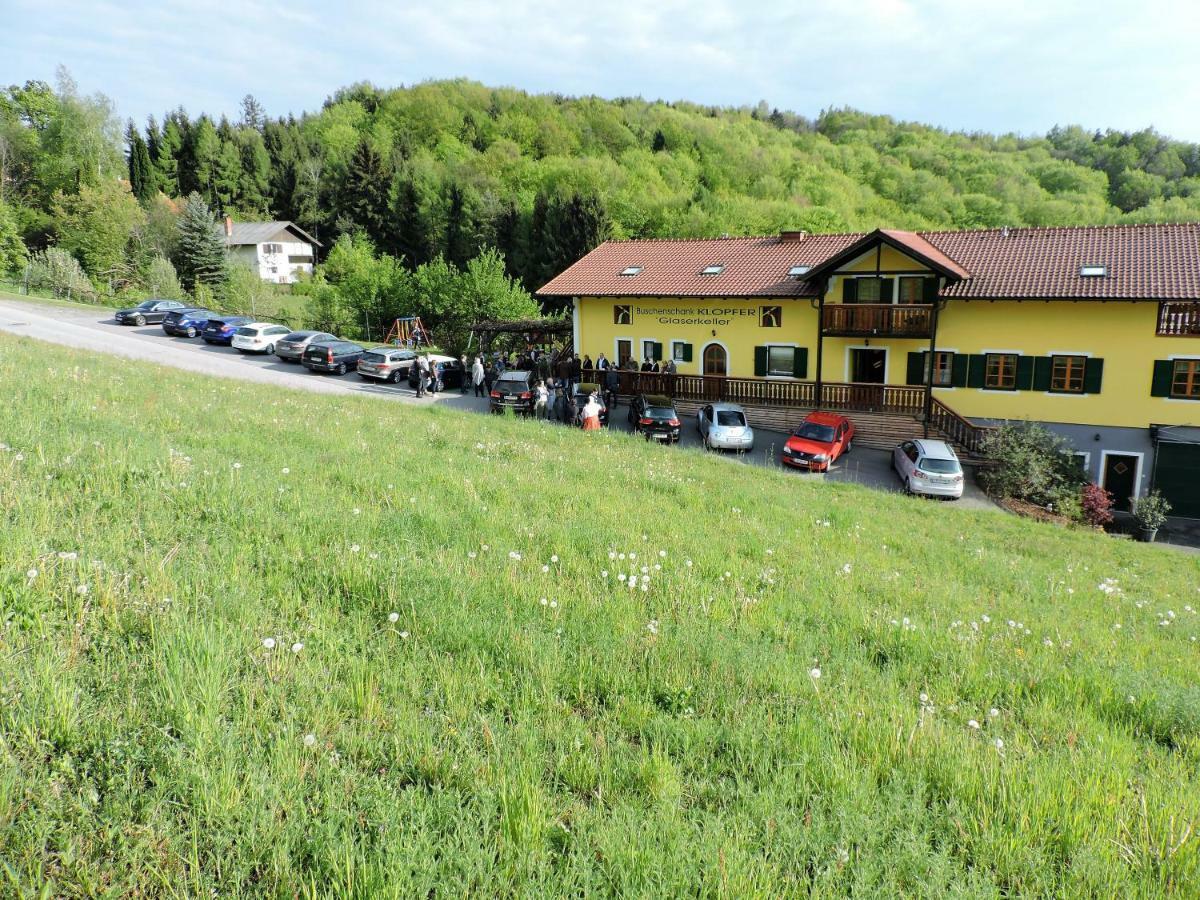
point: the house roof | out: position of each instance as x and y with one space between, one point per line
1143 262
247 233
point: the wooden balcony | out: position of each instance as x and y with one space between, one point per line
909 320
1179 319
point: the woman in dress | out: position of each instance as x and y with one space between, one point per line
591 414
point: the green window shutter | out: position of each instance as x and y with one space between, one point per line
1042 366
1164 372
1093 372
976 369
885 289
760 361
916 368
800 363
929 290
1024 373
958 370
685 352
850 290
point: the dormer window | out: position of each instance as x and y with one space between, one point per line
713 270
1092 271
798 271
630 271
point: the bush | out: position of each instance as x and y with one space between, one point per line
57 271
1031 464
160 279
1150 511
1097 505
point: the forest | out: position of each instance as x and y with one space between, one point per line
444 173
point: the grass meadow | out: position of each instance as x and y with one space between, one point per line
263 643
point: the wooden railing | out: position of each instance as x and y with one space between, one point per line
955 427
870 319
1179 319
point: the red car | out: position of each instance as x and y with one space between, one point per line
818 441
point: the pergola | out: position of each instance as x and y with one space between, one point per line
553 335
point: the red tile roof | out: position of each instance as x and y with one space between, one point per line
1144 262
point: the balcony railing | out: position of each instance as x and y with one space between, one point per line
1179 319
877 320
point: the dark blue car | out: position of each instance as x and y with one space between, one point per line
186 322
220 331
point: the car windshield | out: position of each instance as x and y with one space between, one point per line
813 432
729 417
941 466
659 412
372 357
247 332
147 304
511 381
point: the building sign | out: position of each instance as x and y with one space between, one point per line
695 315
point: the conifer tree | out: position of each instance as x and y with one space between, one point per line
365 192
411 239
200 256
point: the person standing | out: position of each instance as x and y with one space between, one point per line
591 414
612 384
464 382
422 374
602 363
477 377
587 368
541 400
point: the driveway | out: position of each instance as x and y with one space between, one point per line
93 328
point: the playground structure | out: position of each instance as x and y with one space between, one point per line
409 332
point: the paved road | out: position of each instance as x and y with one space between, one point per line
94 329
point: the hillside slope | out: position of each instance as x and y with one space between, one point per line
259 642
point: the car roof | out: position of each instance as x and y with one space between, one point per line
261 325
586 387
241 320
825 418
513 373
727 407
657 400
935 449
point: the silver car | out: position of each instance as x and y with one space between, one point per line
723 426
291 346
928 467
386 364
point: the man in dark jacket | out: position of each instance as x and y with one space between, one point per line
612 384
576 371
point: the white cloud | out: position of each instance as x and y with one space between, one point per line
1019 65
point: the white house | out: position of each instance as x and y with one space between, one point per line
276 250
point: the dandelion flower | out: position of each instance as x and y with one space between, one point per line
237 465
286 471
297 647
356 511
269 643
554 558
543 601
604 573
404 635
620 576
633 556
545 569
394 617
554 604
814 672
662 554
31 574
652 626
612 554
310 740
973 724
924 698
621 556
999 744
846 569
471 554
354 548
688 563
82 590
985 619
993 712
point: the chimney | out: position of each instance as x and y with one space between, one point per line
229 226
792 235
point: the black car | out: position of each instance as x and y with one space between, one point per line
332 356
220 330
513 390
654 416
449 372
187 322
147 311
583 391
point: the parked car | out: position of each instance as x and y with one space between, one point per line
258 337
147 311
291 347
512 390
186 322
723 426
332 356
220 330
818 441
654 416
928 467
449 372
583 391
386 364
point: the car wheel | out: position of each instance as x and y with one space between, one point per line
270 349
849 446
139 321
191 332
341 368
394 378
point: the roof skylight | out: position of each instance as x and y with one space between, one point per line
1092 271
713 269
795 271
631 270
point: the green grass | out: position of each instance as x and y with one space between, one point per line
525 732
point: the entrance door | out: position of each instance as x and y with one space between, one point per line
1120 478
867 368
716 365
624 351
1176 475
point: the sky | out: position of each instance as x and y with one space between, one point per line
977 65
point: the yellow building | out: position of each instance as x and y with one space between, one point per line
1093 331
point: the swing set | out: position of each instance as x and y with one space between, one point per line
409 332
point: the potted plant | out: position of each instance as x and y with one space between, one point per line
1150 511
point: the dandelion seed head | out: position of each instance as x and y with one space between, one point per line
971 723
297 647
393 617
310 740
269 643
814 672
